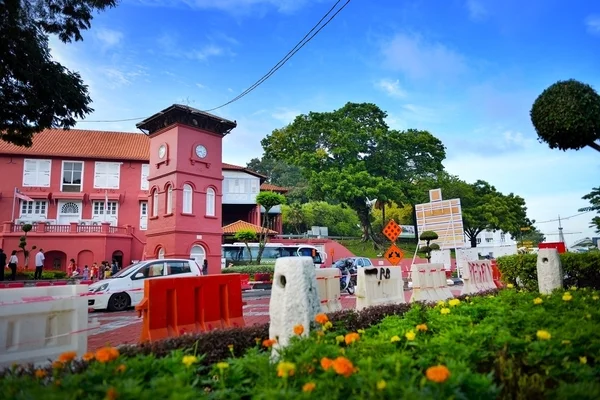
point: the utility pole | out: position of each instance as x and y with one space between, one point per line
561 236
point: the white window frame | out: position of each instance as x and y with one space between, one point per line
144 185
33 204
37 162
188 199
106 174
62 174
211 196
98 208
155 203
142 204
169 193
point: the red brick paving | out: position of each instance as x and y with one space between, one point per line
125 327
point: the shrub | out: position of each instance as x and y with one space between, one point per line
483 347
581 269
27 274
250 269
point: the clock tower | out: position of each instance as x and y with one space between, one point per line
185 181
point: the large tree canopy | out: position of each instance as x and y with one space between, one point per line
281 174
351 156
567 116
36 92
483 207
594 198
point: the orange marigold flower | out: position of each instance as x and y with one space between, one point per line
438 373
67 356
322 319
309 387
106 354
111 394
422 327
121 368
40 373
299 329
351 337
343 366
57 365
89 356
268 342
326 363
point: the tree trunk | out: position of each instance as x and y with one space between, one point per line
473 240
262 237
415 225
383 221
365 222
249 251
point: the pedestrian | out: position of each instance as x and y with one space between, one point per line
39 264
95 271
115 267
12 264
2 264
86 273
205 267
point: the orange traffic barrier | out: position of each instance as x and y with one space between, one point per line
176 306
496 275
245 281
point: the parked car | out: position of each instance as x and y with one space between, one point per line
357 262
126 288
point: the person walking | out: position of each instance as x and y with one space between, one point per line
2 264
12 264
205 267
39 264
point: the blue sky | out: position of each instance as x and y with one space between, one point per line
465 70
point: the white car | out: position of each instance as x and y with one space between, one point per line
126 288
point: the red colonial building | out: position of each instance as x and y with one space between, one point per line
96 195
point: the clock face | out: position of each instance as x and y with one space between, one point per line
162 151
201 151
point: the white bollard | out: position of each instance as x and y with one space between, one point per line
328 285
379 285
549 270
420 285
440 284
294 299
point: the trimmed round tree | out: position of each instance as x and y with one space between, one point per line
567 116
428 237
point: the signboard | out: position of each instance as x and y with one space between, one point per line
408 231
444 217
392 230
394 255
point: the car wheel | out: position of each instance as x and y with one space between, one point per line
119 302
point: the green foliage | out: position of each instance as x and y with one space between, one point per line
567 116
369 249
25 274
501 346
533 235
25 228
594 198
428 236
284 175
246 236
434 246
37 92
581 269
341 220
350 155
268 200
250 269
401 214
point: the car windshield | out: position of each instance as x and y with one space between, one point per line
126 271
340 263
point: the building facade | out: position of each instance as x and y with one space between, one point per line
95 195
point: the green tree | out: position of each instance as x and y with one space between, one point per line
246 236
483 206
567 116
267 200
533 235
401 214
594 198
338 218
281 174
294 220
37 92
428 237
351 156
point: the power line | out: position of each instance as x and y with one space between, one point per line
562 219
303 42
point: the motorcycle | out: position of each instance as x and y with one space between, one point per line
347 283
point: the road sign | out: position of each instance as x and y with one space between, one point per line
392 230
394 255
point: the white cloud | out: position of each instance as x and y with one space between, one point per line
285 115
419 59
392 88
476 9
200 86
108 37
592 23
169 44
205 52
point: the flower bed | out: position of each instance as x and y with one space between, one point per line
513 345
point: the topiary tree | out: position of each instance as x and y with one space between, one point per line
428 237
23 243
246 236
567 116
268 200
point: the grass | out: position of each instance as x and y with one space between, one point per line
367 249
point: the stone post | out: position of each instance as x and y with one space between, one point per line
549 271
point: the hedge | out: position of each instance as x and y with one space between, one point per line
514 345
581 269
250 269
27 274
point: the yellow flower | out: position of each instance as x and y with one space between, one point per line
299 329
573 288
445 311
327 325
395 339
538 300
583 360
454 302
441 303
308 387
285 369
422 327
510 286
222 366
361 331
543 335
230 347
381 385
595 297
467 298
588 316
567 296
566 342
339 339
40 373
189 360
438 374
410 335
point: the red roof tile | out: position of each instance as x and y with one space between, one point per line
237 226
273 188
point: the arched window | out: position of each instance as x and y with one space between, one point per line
210 202
169 200
161 253
155 203
188 196
198 254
